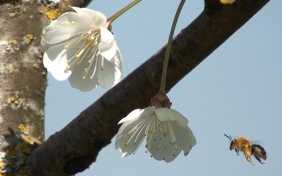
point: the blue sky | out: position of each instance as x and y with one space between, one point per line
236 90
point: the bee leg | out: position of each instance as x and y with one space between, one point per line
247 154
248 158
237 151
259 160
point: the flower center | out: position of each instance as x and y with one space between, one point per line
87 53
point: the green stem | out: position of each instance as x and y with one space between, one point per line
119 13
167 53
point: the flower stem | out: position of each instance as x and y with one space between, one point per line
119 13
167 53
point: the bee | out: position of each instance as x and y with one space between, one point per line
244 145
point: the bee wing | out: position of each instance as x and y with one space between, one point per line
257 142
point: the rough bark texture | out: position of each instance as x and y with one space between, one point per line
76 146
22 84
64 5
22 79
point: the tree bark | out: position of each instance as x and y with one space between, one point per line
76 146
23 79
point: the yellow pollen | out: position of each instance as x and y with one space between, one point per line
86 69
29 36
66 46
12 98
91 77
68 67
14 42
78 63
83 77
72 22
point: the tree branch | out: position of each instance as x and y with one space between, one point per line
76 146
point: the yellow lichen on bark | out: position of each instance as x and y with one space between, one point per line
52 13
29 38
23 128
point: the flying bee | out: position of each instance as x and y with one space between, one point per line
244 145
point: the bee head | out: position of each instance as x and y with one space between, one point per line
233 144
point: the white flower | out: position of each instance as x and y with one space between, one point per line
166 132
78 47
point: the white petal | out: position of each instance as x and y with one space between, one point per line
131 134
112 72
58 50
107 46
135 115
163 148
168 147
55 60
185 139
190 141
158 143
95 18
132 115
70 24
63 29
164 114
57 67
128 144
138 112
76 79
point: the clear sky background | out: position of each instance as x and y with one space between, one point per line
237 90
